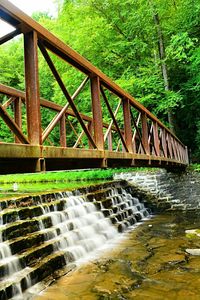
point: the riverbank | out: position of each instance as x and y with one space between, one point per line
16 185
76 175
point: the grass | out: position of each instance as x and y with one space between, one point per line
66 176
56 176
7 190
34 183
194 167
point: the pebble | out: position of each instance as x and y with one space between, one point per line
193 251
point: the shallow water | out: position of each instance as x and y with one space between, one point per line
149 263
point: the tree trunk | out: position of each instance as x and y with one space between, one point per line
161 49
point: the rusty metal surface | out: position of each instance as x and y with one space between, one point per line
63 111
32 87
97 113
138 139
13 126
9 91
9 36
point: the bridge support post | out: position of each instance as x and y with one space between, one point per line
127 125
97 113
32 87
40 165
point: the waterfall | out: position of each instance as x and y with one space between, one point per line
45 234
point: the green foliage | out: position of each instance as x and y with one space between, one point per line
12 55
195 167
180 47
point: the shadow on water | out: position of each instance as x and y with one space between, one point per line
150 263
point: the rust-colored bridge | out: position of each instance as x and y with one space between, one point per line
124 134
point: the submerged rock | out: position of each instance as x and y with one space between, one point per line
193 251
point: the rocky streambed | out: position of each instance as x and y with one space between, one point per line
151 262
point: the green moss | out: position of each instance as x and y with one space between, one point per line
191 236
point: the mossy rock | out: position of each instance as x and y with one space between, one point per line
193 234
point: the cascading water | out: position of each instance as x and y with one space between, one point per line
58 231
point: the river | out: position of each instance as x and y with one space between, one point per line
150 262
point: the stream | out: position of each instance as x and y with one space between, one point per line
150 262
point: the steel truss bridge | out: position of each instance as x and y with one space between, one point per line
116 131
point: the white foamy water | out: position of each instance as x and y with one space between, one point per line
79 231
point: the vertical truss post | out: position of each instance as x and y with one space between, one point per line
97 113
168 137
18 115
109 138
32 87
90 129
156 138
174 147
63 131
164 142
145 132
127 125
186 155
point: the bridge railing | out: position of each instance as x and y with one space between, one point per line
131 127
139 134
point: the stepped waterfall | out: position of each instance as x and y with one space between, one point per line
41 234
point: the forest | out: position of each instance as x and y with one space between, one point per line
151 48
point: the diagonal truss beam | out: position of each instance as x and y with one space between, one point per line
79 140
137 130
9 36
62 112
65 92
76 133
8 102
114 120
13 126
111 123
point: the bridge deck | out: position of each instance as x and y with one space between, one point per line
133 136
29 158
